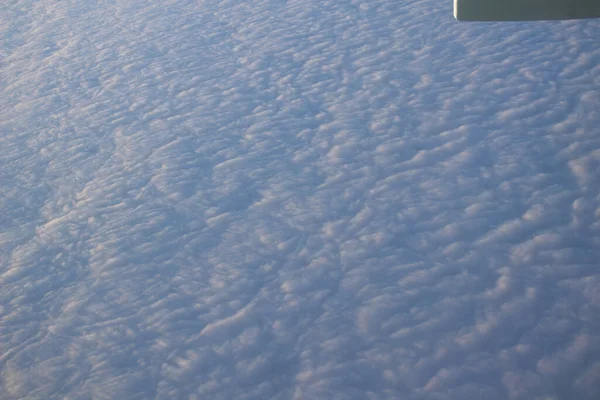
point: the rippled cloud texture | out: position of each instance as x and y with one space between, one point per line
302 199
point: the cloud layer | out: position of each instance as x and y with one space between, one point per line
296 200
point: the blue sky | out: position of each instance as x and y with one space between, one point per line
296 200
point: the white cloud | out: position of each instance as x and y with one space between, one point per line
301 199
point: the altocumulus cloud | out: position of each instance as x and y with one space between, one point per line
296 200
